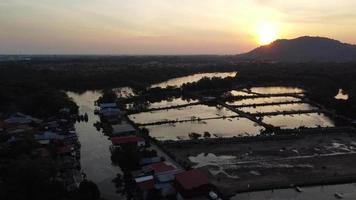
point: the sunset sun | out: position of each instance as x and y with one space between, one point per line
266 33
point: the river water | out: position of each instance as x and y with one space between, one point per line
177 82
95 154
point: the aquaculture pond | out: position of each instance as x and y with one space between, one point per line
325 192
276 90
260 100
215 127
183 113
278 108
242 93
178 82
310 120
161 104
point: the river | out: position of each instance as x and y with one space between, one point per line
95 154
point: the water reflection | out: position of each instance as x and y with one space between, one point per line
276 90
236 93
178 82
251 101
215 127
311 120
185 113
278 108
161 104
95 155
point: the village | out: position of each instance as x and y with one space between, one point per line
149 171
52 140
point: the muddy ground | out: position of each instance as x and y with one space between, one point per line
240 167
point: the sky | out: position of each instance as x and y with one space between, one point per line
152 27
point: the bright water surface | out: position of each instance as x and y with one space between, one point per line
95 155
184 113
178 82
260 100
278 108
310 120
276 90
216 127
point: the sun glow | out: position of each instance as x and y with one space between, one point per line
266 33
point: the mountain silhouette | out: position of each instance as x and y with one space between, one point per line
303 49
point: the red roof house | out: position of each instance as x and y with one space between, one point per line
191 184
161 167
131 139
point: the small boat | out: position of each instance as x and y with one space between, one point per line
339 195
86 117
298 189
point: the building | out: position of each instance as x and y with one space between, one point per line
48 135
123 129
107 105
145 184
164 174
127 140
191 185
109 112
150 160
20 118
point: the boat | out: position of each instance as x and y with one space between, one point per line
339 195
298 189
86 117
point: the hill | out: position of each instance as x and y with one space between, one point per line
304 49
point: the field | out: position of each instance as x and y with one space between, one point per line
258 165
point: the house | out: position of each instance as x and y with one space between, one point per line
111 115
192 184
150 160
4 126
123 129
48 135
20 118
164 173
110 112
126 140
19 128
107 105
145 184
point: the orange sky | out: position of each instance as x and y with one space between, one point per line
166 26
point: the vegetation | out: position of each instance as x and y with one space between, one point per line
27 86
35 99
